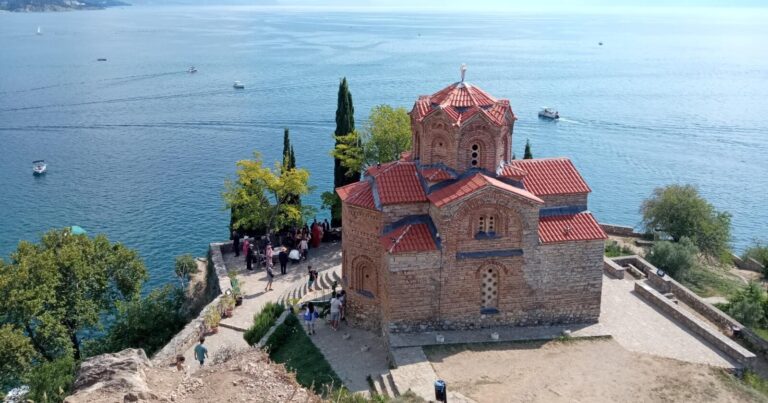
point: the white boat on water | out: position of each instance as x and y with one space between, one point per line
192 69
39 31
549 113
39 167
238 85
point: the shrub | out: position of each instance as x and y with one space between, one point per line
147 323
50 382
748 306
612 249
675 258
262 322
184 267
281 334
758 251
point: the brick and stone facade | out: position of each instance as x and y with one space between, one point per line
456 235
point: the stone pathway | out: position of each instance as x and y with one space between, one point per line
640 327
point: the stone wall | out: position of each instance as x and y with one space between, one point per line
613 269
620 230
748 264
575 199
361 257
218 282
395 212
724 344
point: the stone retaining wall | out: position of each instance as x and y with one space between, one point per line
218 283
613 269
620 230
748 264
723 343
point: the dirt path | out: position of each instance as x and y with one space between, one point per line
578 371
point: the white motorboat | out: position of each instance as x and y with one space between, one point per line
238 85
39 167
192 69
39 31
549 113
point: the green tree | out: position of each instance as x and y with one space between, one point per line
679 211
748 306
677 259
345 124
349 150
527 155
758 251
146 323
51 381
289 162
387 134
185 265
259 192
16 356
55 289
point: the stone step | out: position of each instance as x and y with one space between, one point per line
378 385
336 276
389 385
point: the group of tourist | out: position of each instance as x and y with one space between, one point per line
337 310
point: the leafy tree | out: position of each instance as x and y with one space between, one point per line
57 288
674 258
679 211
387 134
349 150
748 306
146 323
51 381
16 355
259 192
185 266
527 155
345 124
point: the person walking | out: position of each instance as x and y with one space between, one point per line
268 254
236 242
283 258
270 277
312 276
326 225
304 248
335 311
343 300
249 260
201 353
246 245
310 316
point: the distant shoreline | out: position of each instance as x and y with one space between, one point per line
55 6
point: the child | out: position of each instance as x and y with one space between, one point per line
312 276
270 276
310 315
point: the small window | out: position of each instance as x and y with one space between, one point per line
475 155
491 227
481 224
490 289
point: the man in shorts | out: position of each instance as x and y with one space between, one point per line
201 353
335 312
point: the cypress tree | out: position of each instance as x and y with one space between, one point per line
345 124
286 150
527 155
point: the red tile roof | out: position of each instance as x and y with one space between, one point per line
357 194
436 174
511 171
408 238
397 182
551 176
461 101
572 227
471 184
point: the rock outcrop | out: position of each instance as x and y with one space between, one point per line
113 377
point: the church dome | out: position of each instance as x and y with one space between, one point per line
461 101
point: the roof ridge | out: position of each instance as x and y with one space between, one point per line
399 238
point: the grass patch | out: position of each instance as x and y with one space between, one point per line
762 332
300 355
613 249
756 382
710 282
751 386
262 322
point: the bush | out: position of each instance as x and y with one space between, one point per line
612 249
147 323
758 251
748 306
262 322
675 258
50 382
281 334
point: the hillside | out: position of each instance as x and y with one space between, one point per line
57 5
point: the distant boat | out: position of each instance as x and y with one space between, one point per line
101 59
238 85
192 69
39 31
600 43
39 167
549 113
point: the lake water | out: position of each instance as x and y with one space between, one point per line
138 149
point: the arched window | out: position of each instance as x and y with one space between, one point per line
474 159
364 277
490 288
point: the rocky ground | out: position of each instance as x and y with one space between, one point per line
231 377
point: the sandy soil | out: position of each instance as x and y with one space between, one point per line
578 371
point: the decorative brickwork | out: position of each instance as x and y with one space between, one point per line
469 253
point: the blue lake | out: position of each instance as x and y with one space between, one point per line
138 149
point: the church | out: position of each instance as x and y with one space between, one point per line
458 235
